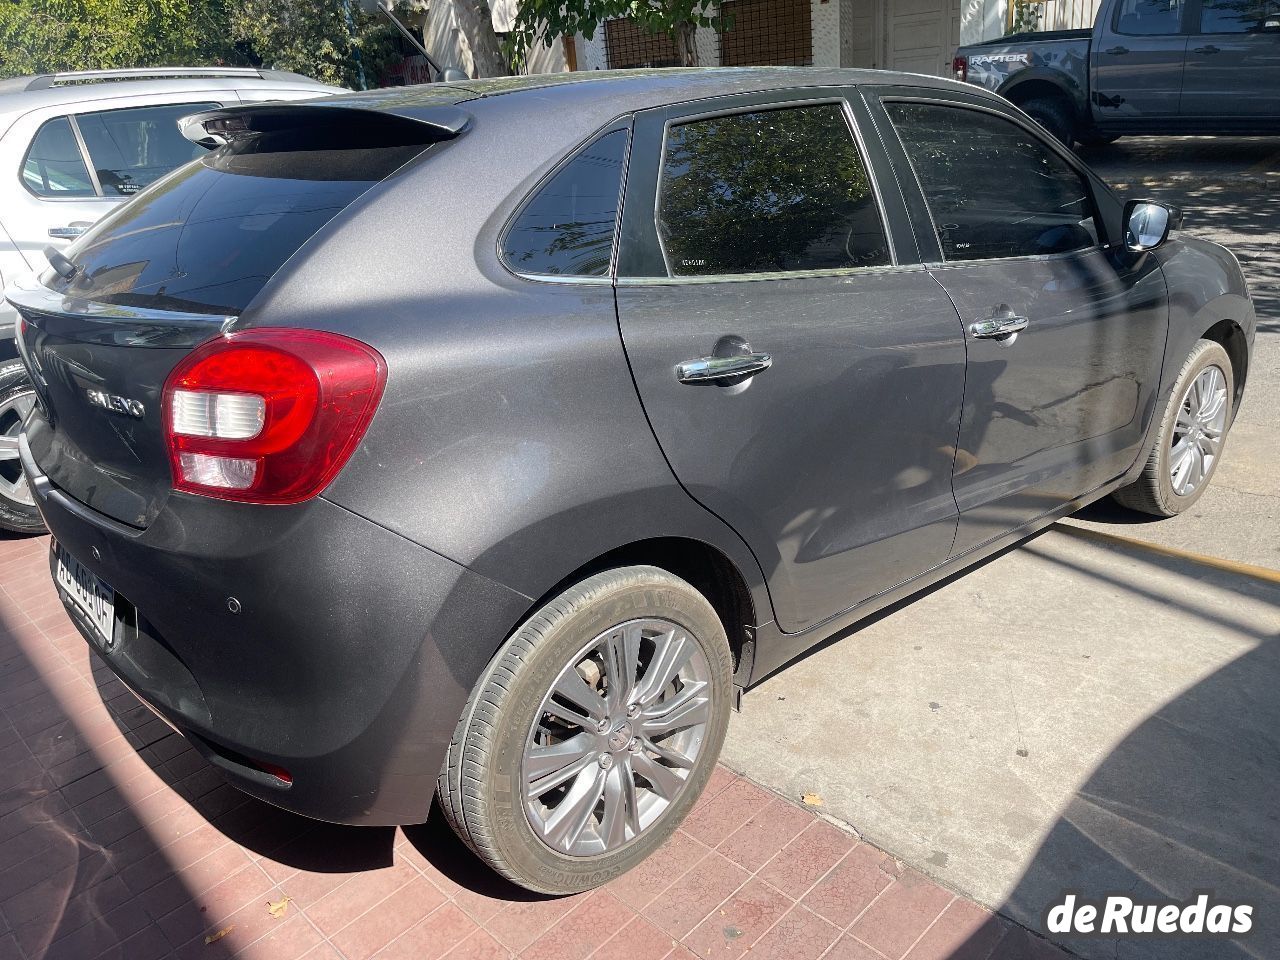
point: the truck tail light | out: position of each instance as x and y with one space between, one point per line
960 68
269 415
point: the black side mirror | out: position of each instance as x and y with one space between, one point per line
1147 224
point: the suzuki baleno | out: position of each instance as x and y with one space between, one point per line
488 439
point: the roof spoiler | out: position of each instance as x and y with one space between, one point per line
215 128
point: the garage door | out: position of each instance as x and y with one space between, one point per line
920 36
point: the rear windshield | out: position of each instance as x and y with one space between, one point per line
208 239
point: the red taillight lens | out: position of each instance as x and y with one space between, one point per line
960 68
269 415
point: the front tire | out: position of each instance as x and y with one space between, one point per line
592 732
18 511
1191 436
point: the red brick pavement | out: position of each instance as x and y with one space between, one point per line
118 840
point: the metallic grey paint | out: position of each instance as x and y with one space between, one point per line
527 429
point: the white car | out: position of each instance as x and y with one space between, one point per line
72 147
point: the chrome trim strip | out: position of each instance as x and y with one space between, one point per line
775 275
563 278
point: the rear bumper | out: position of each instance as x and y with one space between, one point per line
348 663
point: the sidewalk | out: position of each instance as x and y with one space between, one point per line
118 840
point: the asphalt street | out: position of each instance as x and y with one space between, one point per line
1095 710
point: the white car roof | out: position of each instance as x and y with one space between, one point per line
22 94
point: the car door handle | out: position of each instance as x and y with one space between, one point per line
1209 49
69 232
998 327
715 369
1117 51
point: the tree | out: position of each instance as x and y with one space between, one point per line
544 20
333 41
475 23
41 36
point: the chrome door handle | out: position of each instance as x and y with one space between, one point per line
715 369
66 233
998 327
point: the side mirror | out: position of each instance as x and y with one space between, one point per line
1147 224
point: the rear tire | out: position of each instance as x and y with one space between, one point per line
625 781
1054 115
1191 425
18 511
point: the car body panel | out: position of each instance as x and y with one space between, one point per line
357 700
866 385
513 449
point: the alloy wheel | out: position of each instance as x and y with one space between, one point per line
616 737
1198 431
13 482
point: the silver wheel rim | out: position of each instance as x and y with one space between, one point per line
1198 431
13 482
616 737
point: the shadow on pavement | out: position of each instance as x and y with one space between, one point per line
1188 802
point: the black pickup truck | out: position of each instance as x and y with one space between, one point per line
1147 66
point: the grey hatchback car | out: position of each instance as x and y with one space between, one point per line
486 440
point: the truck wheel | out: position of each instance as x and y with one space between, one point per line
592 732
17 506
1189 443
1054 116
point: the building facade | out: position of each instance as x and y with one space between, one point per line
918 36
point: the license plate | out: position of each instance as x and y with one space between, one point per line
94 597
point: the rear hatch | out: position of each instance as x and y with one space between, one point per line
177 266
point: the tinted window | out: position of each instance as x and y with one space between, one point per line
54 166
994 189
774 190
567 228
1240 16
209 238
1148 18
132 148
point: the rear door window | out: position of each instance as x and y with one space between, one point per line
566 229
1148 18
994 188
1240 16
54 165
132 148
775 190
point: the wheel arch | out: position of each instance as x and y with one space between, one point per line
706 568
1231 337
1034 84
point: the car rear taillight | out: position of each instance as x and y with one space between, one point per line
960 68
269 415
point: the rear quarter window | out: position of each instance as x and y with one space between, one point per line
566 228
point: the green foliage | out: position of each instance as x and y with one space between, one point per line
38 36
791 175
1026 16
544 20
311 37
